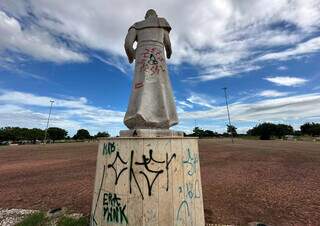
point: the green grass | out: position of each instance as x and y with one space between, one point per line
67 221
35 219
39 219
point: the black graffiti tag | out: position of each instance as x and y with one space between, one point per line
115 170
146 162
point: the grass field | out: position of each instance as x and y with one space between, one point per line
275 182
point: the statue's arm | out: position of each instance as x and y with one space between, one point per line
128 45
167 44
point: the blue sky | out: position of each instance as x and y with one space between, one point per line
266 52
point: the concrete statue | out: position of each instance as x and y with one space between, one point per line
151 104
150 175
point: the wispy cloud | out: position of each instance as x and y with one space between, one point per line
9 65
184 104
282 68
272 93
213 73
30 110
297 107
201 100
116 62
316 88
286 80
308 47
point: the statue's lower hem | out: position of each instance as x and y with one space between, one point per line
150 133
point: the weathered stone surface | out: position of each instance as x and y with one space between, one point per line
148 181
151 102
150 133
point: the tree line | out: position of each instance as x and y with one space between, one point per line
34 135
265 131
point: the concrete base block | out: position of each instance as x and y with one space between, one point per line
148 181
150 133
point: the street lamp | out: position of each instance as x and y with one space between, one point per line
225 94
45 134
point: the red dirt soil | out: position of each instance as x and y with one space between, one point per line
275 182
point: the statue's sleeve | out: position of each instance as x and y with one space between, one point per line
128 45
167 44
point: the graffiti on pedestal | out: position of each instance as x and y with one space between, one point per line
191 162
149 174
108 148
190 190
141 172
113 209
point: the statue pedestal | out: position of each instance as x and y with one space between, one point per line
148 181
150 133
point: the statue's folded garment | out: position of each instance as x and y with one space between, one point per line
151 102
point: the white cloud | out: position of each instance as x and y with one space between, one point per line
33 42
308 47
217 36
282 68
213 73
316 88
297 107
184 104
116 62
272 93
30 110
286 80
201 100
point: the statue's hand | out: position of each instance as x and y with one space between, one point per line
132 56
168 55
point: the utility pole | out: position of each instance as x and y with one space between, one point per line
225 94
45 133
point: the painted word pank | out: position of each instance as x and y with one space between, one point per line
113 211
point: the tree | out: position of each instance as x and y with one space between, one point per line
36 134
312 129
198 132
232 130
22 134
209 133
55 133
17 134
102 134
264 131
282 130
82 134
267 130
8 133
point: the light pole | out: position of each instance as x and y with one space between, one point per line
225 94
45 133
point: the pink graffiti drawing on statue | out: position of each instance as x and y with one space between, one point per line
151 62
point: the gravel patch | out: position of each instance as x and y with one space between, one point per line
10 217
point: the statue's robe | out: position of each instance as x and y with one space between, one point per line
151 102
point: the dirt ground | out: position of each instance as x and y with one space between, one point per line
275 182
